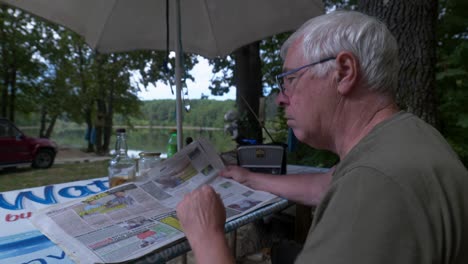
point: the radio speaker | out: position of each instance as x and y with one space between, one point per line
264 158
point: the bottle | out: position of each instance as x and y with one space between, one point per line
122 168
172 144
147 161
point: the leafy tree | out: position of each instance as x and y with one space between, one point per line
251 69
203 113
60 77
452 77
55 90
18 62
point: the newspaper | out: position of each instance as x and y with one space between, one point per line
133 219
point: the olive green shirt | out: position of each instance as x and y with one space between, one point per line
400 196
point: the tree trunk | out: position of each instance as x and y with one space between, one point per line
413 23
3 47
12 99
100 124
89 129
43 122
4 99
88 105
102 144
248 79
108 119
50 128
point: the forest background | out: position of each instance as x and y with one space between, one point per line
48 75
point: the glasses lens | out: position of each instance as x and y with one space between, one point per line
280 82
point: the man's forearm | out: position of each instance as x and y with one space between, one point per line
306 189
212 249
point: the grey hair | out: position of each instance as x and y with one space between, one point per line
366 37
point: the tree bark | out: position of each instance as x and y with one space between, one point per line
12 98
4 48
50 127
43 122
87 109
100 82
100 126
248 79
413 23
4 101
108 119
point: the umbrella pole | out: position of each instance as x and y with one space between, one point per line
179 105
178 79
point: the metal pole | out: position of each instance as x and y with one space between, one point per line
178 76
178 72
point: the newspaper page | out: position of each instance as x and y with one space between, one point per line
131 220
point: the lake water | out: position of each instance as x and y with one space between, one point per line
141 139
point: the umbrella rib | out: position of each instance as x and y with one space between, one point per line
104 25
211 26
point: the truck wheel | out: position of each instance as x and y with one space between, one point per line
44 159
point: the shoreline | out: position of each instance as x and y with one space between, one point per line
67 154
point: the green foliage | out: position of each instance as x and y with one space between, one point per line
272 64
56 74
203 112
19 67
223 68
223 79
305 155
452 77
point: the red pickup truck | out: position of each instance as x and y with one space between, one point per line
17 149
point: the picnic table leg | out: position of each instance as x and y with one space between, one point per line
232 241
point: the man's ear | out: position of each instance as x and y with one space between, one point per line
347 72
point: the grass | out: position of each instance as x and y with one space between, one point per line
21 178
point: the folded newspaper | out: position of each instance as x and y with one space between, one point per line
134 219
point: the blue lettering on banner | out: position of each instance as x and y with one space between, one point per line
57 257
39 261
49 197
44 261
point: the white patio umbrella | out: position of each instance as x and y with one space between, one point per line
206 27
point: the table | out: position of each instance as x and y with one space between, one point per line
182 247
21 242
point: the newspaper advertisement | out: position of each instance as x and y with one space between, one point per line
134 219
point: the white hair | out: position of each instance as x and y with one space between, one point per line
366 37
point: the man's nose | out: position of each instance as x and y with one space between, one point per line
282 100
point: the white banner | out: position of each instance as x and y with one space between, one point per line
20 241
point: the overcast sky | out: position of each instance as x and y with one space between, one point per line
202 74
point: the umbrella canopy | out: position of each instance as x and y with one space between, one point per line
206 27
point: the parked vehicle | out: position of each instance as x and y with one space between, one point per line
18 149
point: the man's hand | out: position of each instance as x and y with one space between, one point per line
236 173
203 216
202 213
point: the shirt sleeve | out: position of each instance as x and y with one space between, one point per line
365 218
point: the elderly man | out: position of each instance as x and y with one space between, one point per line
398 194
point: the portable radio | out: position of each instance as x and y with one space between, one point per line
265 158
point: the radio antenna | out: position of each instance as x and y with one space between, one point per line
256 117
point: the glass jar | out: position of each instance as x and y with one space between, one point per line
122 168
147 161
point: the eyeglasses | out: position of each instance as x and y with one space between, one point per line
280 77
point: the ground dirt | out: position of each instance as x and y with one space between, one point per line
68 154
